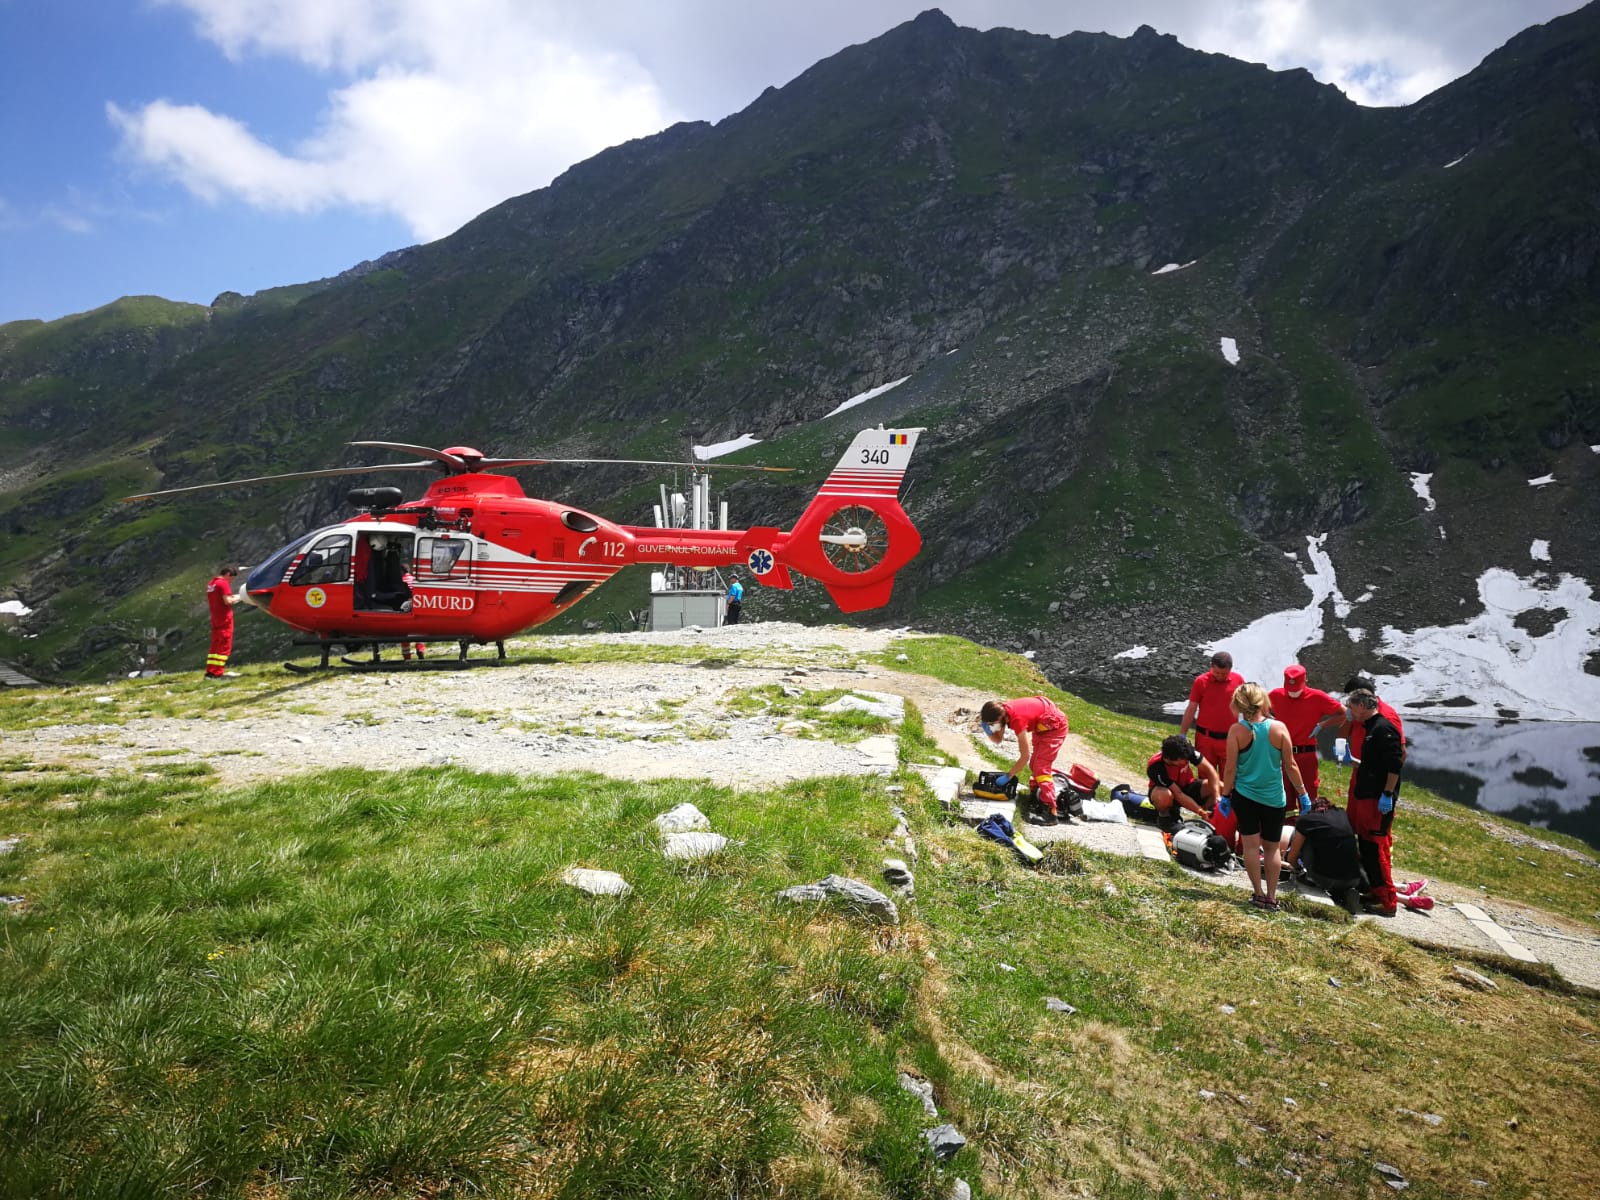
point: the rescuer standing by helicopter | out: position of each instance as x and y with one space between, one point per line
220 599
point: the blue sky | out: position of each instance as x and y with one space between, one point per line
184 148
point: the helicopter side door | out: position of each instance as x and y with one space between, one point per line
383 566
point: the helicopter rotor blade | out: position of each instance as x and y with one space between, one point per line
628 462
440 456
231 483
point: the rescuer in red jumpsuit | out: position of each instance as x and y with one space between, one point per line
220 599
1041 730
1208 712
1303 709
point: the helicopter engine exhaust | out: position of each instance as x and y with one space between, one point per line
375 499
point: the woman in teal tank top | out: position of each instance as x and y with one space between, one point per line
1260 753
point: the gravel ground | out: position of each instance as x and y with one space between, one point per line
623 719
650 721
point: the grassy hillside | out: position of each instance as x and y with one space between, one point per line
361 983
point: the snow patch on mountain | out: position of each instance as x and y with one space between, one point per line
871 393
718 449
1264 647
1420 485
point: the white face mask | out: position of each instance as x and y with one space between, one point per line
1297 695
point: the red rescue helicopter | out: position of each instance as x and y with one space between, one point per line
475 560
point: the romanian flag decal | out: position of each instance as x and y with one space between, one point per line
897 439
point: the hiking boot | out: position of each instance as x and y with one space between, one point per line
1412 888
1042 816
1373 908
1417 903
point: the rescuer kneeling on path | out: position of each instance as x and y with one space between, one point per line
1325 851
1041 730
1180 777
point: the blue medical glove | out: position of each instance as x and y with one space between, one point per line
1386 804
1004 781
1224 806
1346 759
1305 804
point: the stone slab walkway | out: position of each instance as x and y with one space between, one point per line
1510 932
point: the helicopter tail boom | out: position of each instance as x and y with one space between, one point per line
852 538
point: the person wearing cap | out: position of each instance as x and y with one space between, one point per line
1041 730
1260 755
1304 710
220 600
735 601
1374 788
1208 712
1324 850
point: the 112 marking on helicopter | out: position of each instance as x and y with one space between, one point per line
476 560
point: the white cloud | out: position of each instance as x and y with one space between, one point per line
1366 52
448 109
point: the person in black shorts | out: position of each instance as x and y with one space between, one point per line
1181 778
1260 757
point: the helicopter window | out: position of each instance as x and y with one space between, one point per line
442 558
327 561
581 522
275 570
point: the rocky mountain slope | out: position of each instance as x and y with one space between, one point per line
1407 291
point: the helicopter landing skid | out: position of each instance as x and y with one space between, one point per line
361 667
376 663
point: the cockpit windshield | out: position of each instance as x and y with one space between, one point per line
271 573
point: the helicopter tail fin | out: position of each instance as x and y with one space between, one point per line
854 536
871 469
